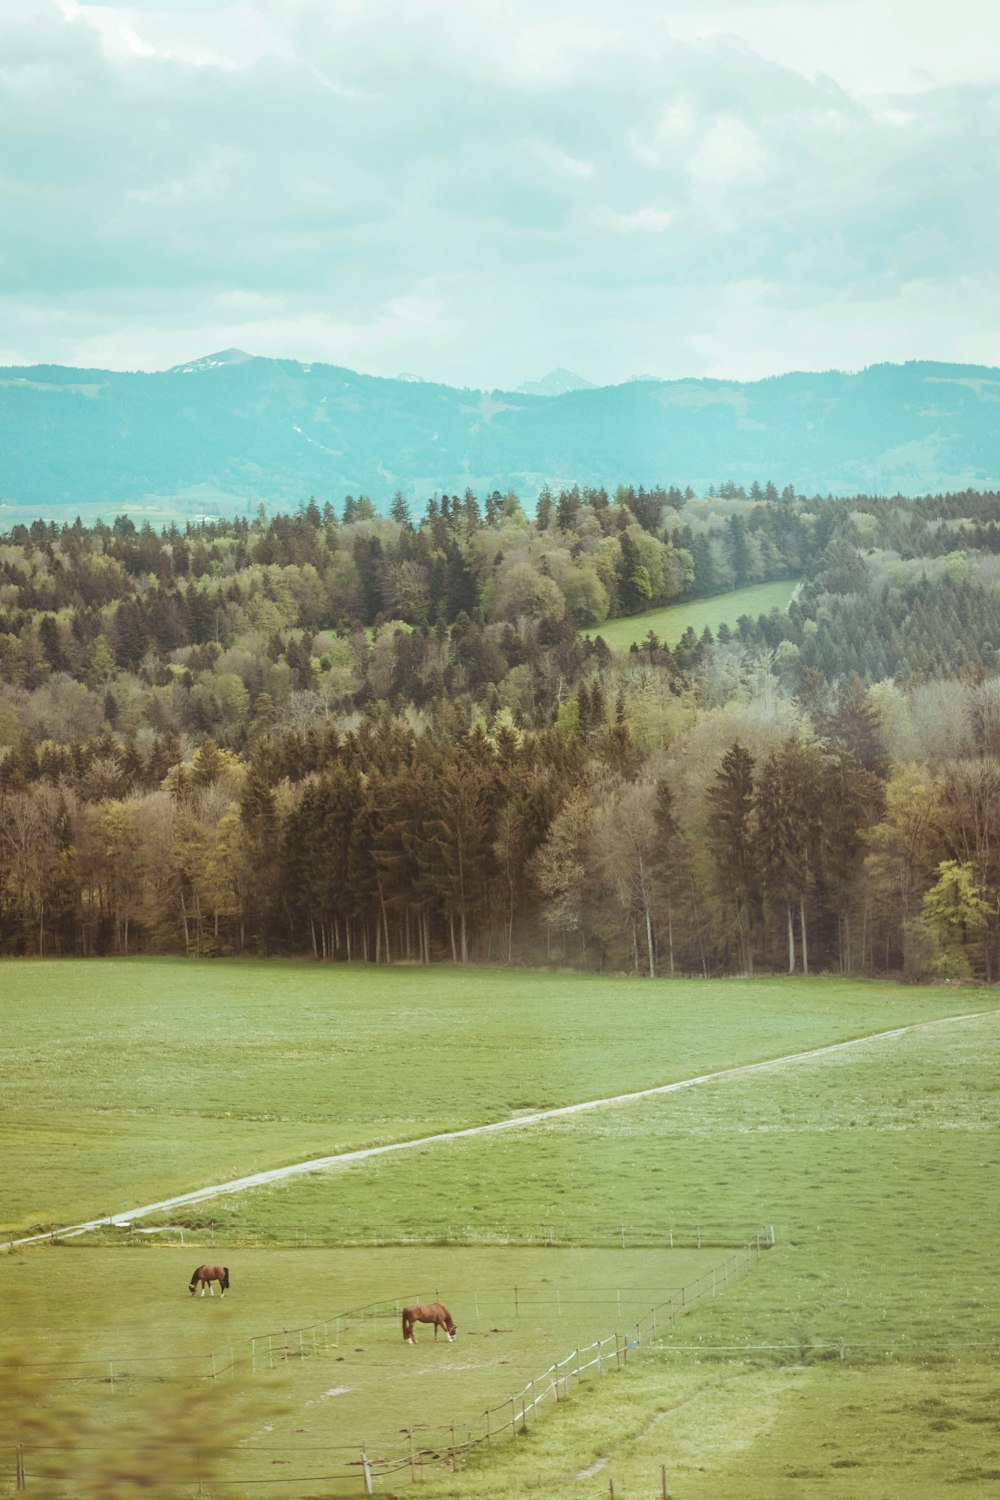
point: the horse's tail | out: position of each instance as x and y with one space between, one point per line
225 1278
407 1323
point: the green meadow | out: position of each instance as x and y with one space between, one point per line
669 624
856 1358
127 1080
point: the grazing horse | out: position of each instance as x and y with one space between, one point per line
205 1275
427 1312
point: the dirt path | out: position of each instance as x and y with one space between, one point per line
518 1122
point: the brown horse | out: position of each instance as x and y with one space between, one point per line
205 1275
427 1312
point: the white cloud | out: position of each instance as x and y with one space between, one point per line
730 154
472 191
560 163
885 47
646 220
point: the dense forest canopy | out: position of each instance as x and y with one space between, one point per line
389 737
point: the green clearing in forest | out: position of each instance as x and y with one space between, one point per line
669 624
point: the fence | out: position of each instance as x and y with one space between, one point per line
592 1235
358 1474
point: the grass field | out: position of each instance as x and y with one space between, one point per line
124 1081
668 625
857 1359
126 1321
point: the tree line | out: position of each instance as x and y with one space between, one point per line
363 737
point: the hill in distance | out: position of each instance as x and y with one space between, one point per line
227 432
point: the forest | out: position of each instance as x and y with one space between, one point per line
357 736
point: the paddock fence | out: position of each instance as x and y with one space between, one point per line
361 1468
594 1234
268 1350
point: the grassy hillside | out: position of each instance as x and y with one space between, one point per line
668 625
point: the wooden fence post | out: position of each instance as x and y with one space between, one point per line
665 1493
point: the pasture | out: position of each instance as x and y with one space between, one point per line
669 624
347 1380
858 1359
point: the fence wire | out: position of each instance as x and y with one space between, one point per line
505 1420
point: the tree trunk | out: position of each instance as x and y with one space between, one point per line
802 927
385 923
670 937
791 938
184 919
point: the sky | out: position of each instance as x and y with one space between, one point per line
478 191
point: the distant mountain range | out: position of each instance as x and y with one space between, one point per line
227 432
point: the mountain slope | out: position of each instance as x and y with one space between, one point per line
229 431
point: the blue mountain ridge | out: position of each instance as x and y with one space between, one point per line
228 432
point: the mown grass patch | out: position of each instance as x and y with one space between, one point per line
669 624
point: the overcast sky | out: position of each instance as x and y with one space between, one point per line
477 191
